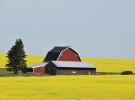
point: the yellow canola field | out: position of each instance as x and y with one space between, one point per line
3 60
31 59
111 65
102 65
114 87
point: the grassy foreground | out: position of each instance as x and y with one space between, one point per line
68 88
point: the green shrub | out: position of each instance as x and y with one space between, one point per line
127 73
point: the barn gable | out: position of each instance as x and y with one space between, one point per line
51 69
53 54
62 54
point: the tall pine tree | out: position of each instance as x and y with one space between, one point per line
16 58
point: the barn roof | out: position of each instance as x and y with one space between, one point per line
54 53
73 64
38 65
58 49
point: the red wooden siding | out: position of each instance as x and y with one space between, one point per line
39 70
69 55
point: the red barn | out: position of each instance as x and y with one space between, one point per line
63 61
62 54
56 54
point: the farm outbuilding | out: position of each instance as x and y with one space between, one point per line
63 61
62 54
70 68
37 69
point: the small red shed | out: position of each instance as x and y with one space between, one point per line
37 69
62 54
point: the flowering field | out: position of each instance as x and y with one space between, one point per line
31 59
102 65
114 87
112 65
99 87
3 60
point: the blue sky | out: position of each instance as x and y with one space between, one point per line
94 28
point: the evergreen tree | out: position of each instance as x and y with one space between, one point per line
16 58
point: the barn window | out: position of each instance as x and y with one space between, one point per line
74 72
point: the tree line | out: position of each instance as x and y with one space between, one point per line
16 58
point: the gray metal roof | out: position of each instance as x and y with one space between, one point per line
38 65
73 64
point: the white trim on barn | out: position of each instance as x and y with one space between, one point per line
38 65
65 50
62 52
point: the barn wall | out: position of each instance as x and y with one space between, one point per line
93 71
50 68
39 70
75 72
69 55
